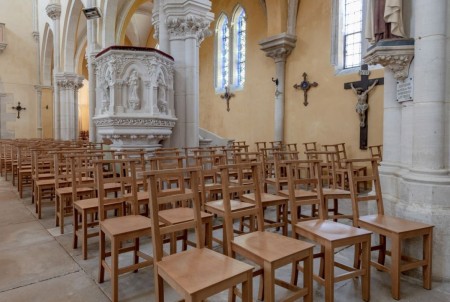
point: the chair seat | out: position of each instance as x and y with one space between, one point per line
84 204
45 182
336 192
180 215
126 224
266 199
198 269
393 224
236 205
266 245
299 193
68 190
331 231
273 180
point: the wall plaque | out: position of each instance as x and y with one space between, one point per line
405 90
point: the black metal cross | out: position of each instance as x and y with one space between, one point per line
363 86
227 96
18 108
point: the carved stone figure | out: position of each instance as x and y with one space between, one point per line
384 20
362 106
133 84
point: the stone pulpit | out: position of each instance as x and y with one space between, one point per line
135 97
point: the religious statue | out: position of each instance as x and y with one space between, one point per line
133 83
161 102
361 105
384 20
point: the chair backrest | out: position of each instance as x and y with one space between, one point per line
291 147
83 172
166 162
161 195
233 190
260 145
300 182
376 151
372 177
121 172
327 167
340 151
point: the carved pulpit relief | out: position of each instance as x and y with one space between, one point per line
136 91
133 91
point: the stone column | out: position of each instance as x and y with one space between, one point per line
54 12
278 48
39 110
68 85
187 24
91 52
161 33
429 86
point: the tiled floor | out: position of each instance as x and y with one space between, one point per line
37 263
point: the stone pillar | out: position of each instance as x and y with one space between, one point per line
278 48
429 86
91 52
54 12
39 110
161 33
68 85
187 24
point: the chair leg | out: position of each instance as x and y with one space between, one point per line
101 271
395 267
159 285
247 288
115 269
382 251
75 229
269 282
231 294
84 227
329 274
366 266
357 259
135 253
427 256
308 277
294 273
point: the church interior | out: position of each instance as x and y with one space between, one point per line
134 167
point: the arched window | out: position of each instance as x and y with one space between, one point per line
230 54
223 53
239 41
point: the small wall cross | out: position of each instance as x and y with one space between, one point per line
305 85
227 96
18 108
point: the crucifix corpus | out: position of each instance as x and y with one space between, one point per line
361 90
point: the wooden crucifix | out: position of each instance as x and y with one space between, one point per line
362 89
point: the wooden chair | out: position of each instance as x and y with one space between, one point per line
85 206
120 229
328 234
267 199
330 190
341 170
43 177
263 248
198 272
393 228
24 178
311 146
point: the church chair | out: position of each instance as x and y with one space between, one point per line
167 152
23 168
341 170
291 147
199 272
43 170
120 230
277 144
260 145
329 235
267 199
397 230
85 202
376 152
269 251
63 185
329 184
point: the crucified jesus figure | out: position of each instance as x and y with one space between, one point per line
362 105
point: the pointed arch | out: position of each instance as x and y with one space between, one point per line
47 56
108 23
72 33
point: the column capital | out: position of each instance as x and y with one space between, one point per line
69 80
278 47
393 54
53 11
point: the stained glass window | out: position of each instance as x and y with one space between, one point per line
240 37
352 33
223 53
